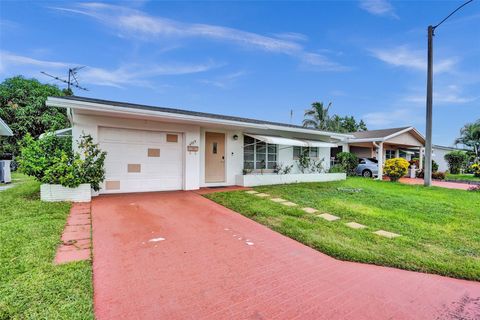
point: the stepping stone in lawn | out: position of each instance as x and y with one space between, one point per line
251 192
386 234
288 204
309 210
355 225
328 217
278 200
262 195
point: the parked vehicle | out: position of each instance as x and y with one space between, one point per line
367 167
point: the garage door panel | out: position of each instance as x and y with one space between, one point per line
154 173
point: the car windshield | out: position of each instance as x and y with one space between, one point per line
373 160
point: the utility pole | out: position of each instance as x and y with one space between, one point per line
428 126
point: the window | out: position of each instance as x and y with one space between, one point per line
389 154
258 154
312 152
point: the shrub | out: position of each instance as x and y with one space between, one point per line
336 169
51 160
416 162
456 161
281 169
475 169
438 175
39 155
91 170
396 168
348 161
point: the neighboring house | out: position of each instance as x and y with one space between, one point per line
4 129
405 142
5 164
155 149
438 154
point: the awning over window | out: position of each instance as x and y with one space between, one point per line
278 140
292 142
320 144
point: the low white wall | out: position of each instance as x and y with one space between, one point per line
252 180
56 192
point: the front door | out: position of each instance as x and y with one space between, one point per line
214 157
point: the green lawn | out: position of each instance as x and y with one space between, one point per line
463 177
440 228
31 287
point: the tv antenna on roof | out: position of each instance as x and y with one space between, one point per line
72 79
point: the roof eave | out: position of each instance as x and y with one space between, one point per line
5 129
90 106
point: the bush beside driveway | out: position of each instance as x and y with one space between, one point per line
438 227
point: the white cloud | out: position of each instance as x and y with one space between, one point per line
137 24
379 8
403 56
397 117
225 80
124 75
451 94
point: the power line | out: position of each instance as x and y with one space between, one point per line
452 13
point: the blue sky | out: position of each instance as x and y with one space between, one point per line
257 59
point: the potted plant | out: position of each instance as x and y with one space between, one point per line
65 175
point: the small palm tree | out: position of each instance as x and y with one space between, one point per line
317 116
470 137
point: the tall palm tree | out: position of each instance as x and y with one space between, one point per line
470 137
317 116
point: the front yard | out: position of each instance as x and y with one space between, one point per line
439 227
462 177
31 287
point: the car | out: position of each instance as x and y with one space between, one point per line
367 167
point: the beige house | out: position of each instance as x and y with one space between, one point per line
405 142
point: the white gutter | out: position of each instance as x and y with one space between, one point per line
367 140
89 106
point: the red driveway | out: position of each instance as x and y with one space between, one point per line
177 255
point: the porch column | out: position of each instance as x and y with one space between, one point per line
380 161
421 158
397 153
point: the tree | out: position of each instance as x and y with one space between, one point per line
456 161
470 137
317 117
22 107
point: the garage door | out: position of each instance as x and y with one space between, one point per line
139 160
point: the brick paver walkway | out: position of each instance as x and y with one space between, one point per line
177 255
76 237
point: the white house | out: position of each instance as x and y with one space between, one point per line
156 149
5 164
438 154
